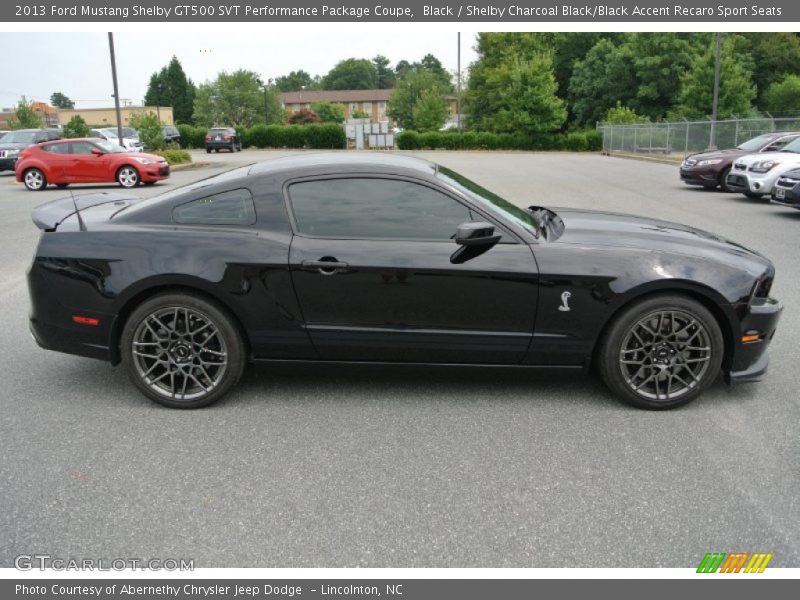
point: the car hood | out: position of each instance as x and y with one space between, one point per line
724 154
598 229
749 159
153 157
14 145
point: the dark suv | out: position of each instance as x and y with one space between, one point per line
710 169
16 141
172 135
223 138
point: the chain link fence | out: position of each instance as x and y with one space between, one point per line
679 138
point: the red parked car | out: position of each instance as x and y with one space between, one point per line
87 160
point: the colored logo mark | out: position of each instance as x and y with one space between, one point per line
734 562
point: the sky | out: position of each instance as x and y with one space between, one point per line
77 64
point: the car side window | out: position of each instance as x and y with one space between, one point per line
57 148
227 208
369 208
81 148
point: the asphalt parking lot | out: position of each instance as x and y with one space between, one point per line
315 466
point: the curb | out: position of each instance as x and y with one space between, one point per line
652 159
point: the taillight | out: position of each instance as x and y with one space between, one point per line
226 137
208 137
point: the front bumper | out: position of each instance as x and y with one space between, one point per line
791 197
154 173
704 177
8 164
746 182
750 361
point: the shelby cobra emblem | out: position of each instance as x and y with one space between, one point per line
565 302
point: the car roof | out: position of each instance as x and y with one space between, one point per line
344 162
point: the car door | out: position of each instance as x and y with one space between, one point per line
88 167
57 162
371 265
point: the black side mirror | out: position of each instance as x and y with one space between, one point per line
476 233
474 238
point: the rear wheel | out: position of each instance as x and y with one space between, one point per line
128 176
182 351
34 180
208 150
661 352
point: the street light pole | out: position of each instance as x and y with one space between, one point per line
116 87
712 142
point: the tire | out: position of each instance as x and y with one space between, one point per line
128 176
34 180
661 371
179 370
723 183
233 147
752 195
208 150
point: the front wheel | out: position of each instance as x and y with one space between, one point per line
34 180
661 352
128 177
723 180
182 351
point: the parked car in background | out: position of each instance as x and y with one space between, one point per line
223 138
87 160
390 259
710 169
786 190
2 133
172 135
130 138
16 141
754 175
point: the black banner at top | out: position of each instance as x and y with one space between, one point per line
496 11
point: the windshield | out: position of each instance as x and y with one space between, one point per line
19 137
109 147
757 142
129 132
490 200
793 146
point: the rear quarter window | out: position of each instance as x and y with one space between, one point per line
234 207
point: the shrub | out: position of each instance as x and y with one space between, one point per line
76 128
313 135
594 140
408 140
150 129
174 156
191 136
576 141
430 139
302 117
258 136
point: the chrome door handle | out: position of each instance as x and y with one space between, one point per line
325 267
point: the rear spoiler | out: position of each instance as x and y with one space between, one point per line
50 215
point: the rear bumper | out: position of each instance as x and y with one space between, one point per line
750 361
221 145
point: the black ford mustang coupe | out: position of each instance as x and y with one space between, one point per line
384 258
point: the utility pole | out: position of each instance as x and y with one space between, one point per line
458 87
116 87
712 142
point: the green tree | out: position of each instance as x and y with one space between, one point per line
24 117
236 99
171 87
384 75
736 89
604 77
430 111
76 128
296 81
151 130
775 55
524 97
59 100
783 96
407 93
622 115
328 112
351 74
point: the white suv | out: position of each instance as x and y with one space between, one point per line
754 175
130 138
